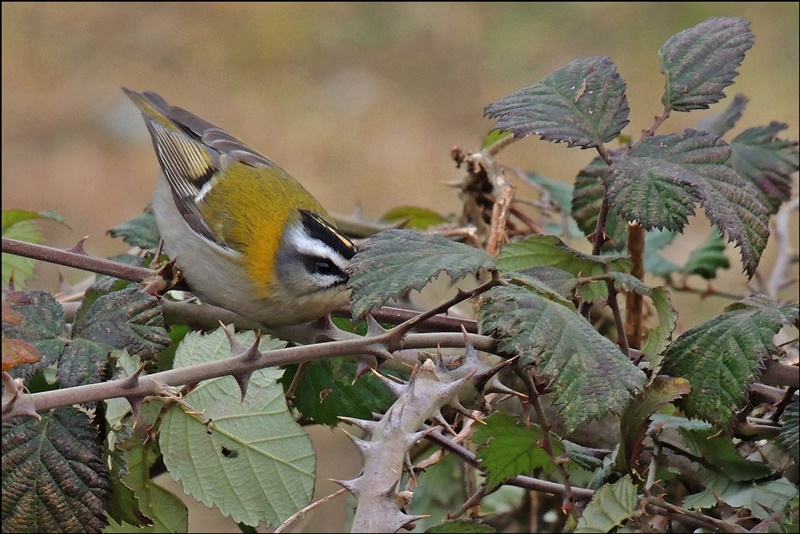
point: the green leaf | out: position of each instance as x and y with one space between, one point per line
54 476
493 137
659 184
508 448
396 260
700 62
709 257
140 231
128 319
659 336
761 498
654 262
19 224
440 488
636 416
326 391
722 356
582 104
42 326
413 217
766 161
588 373
167 512
238 453
789 438
719 451
721 123
611 505
550 251
587 199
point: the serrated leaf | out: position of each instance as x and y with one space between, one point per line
42 327
721 123
582 104
326 391
129 319
164 509
54 476
238 453
508 448
766 161
413 217
700 62
587 199
789 438
83 362
550 251
393 261
722 356
659 336
588 373
611 505
636 416
761 498
654 262
661 422
709 257
659 184
140 231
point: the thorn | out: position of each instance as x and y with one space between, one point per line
253 353
366 363
392 383
243 379
416 436
349 485
77 248
439 418
365 447
136 404
363 424
132 381
466 413
373 327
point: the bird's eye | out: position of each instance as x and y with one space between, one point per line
323 267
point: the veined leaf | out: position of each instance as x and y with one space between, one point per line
582 104
659 336
396 260
722 356
721 123
508 448
659 184
587 199
636 415
610 506
766 161
54 475
588 373
700 62
237 453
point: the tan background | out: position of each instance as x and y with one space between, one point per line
361 102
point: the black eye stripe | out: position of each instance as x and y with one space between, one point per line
319 228
316 265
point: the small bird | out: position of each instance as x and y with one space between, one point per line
246 236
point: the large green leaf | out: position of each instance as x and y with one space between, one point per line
659 184
762 498
327 389
249 458
610 506
393 261
766 161
700 62
582 104
54 476
722 356
508 448
588 373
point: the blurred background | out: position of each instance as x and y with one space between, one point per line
361 102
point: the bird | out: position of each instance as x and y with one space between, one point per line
245 235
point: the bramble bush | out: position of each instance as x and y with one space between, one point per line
562 399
